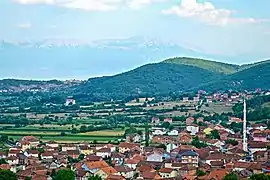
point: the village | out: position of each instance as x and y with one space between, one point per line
209 152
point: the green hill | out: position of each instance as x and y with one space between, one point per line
179 75
149 79
249 77
205 64
171 75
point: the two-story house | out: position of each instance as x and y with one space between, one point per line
190 158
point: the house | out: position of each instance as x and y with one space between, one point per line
159 132
33 153
73 153
115 177
215 142
104 152
110 146
12 160
94 166
173 132
92 158
171 146
25 145
240 166
70 102
136 138
209 99
132 163
207 131
34 142
196 99
185 99
155 157
190 158
49 148
260 137
117 158
126 147
216 156
217 174
150 176
13 152
217 164
82 175
22 159
169 120
3 155
261 156
168 173
185 139
69 147
124 171
260 127
235 119
163 139
106 172
155 120
52 144
257 146
84 149
47 155
189 120
193 129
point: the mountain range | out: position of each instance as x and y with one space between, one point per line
71 58
53 58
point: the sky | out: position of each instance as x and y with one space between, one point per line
220 27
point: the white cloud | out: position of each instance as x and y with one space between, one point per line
137 4
24 25
208 13
89 5
35 1
92 5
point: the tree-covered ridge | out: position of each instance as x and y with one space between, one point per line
257 76
205 64
170 76
20 82
151 79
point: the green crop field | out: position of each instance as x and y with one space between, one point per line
56 137
114 132
89 121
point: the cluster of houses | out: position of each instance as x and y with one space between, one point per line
171 155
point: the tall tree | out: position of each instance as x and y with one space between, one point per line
7 175
65 174
146 135
259 177
231 176
95 178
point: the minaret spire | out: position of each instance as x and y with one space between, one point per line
245 148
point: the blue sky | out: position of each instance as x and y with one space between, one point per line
220 27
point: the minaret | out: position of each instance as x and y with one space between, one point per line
245 127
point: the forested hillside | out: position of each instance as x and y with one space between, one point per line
174 75
149 79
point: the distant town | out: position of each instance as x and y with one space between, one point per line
212 136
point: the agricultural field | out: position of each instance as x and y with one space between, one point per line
114 132
218 107
90 121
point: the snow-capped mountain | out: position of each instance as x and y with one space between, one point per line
71 58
